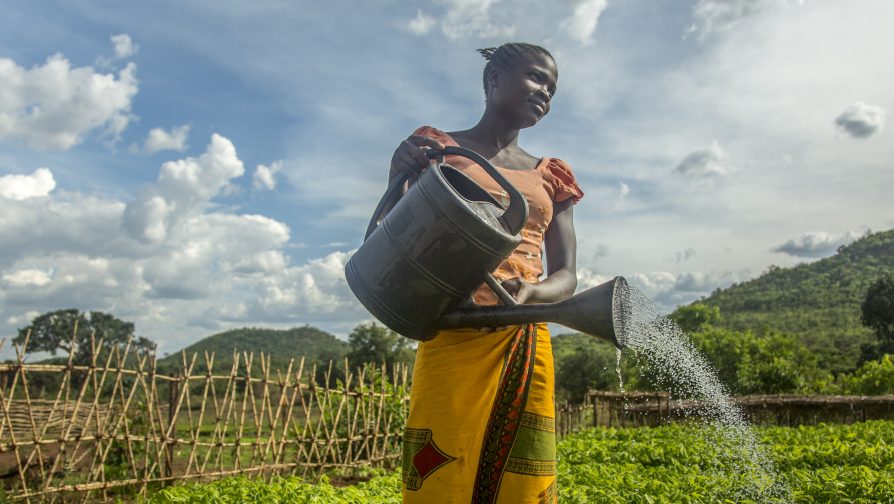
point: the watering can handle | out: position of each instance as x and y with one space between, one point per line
389 199
513 217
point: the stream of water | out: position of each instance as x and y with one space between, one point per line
676 366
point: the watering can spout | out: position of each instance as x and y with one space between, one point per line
599 311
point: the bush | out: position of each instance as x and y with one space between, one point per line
873 378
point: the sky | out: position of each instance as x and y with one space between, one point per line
195 166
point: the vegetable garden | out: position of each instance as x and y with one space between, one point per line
672 463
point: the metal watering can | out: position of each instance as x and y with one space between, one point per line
426 252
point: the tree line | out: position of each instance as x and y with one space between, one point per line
747 362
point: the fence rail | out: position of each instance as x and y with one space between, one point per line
84 431
634 409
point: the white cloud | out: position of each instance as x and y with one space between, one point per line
124 46
711 16
159 139
669 290
861 120
23 319
587 278
318 287
265 176
19 187
184 187
471 18
268 263
54 106
421 24
815 244
582 23
170 260
705 163
27 277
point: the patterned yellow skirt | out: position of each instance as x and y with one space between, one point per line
481 427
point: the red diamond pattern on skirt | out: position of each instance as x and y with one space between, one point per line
428 458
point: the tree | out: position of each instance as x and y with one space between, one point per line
372 343
746 363
878 308
588 368
874 378
55 331
696 317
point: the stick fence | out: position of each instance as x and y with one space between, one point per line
117 425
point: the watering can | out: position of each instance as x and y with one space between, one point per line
426 251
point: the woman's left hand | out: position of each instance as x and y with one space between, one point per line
519 289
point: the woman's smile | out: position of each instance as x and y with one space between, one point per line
538 106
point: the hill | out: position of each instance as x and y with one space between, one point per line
282 345
818 302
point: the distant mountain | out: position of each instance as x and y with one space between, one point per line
282 345
818 302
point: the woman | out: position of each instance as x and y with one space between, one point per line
481 426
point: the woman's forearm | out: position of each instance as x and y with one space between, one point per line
556 287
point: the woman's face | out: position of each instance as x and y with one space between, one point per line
523 92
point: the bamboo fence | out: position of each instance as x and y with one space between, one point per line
116 427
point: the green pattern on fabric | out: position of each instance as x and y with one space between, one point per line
534 452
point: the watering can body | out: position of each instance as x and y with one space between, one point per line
435 246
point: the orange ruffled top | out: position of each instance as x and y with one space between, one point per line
552 181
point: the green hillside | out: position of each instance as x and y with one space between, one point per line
818 302
282 345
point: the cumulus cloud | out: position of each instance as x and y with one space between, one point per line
183 187
159 139
23 318
669 290
581 25
54 106
421 24
587 278
462 19
711 16
19 187
124 46
705 163
319 286
265 176
861 120
168 260
27 277
815 244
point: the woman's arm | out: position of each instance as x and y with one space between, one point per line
409 157
561 253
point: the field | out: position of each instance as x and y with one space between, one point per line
670 464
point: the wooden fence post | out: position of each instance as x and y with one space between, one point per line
173 394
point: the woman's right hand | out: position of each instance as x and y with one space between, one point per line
409 157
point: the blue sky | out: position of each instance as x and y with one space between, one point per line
196 166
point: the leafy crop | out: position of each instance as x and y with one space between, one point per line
670 464
383 489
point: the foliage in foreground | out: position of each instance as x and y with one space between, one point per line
676 463
819 464
383 489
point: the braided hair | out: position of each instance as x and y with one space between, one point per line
505 56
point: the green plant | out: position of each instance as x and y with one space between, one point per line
873 378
